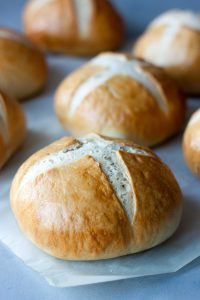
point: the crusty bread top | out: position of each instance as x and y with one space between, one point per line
178 18
104 151
37 4
95 198
116 65
22 64
12 35
79 27
84 12
195 117
172 21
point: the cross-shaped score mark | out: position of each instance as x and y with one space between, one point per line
117 65
173 22
83 10
105 153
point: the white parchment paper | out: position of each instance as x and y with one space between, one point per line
172 255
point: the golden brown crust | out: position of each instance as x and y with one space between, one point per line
71 211
184 67
160 197
23 68
191 147
13 127
56 146
122 107
54 26
96 223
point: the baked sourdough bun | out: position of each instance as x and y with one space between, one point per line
22 65
172 41
191 143
120 96
95 198
79 27
12 127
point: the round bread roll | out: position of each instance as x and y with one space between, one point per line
191 143
119 96
78 27
95 198
172 41
23 68
12 127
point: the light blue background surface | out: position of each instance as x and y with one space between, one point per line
19 282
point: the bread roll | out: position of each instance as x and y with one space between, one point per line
172 41
119 96
23 68
191 143
12 127
95 198
78 27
